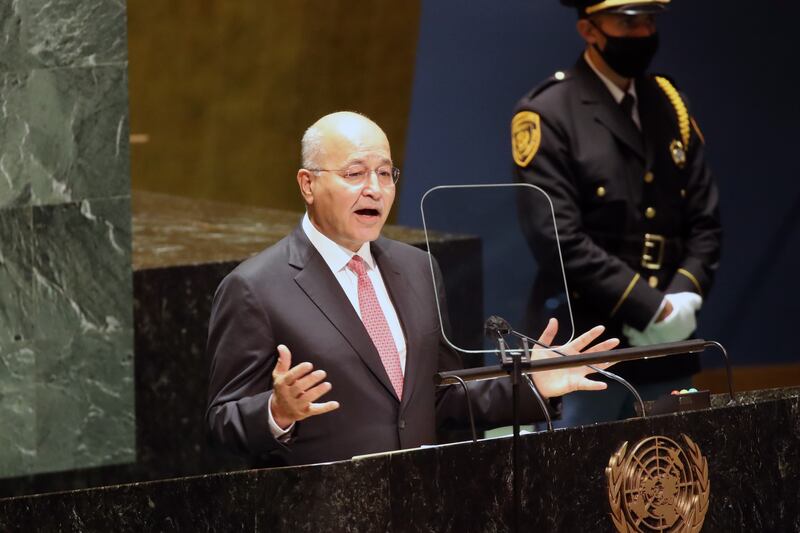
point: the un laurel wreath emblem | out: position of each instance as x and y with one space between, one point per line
658 486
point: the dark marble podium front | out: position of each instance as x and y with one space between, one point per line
182 248
752 448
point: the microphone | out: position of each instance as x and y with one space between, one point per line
496 325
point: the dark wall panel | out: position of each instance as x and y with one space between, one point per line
476 59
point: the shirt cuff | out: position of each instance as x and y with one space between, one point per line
280 434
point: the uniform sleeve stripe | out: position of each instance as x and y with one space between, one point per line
692 279
697 130
625 294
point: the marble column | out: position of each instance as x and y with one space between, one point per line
66 348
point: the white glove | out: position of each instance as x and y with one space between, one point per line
677 326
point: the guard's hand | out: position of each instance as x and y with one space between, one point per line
678 325
295 389
559 382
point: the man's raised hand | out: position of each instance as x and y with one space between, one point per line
295 389
558 382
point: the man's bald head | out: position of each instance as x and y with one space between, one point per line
347 179
332 130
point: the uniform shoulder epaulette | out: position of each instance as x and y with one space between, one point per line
681 111
556 78
526 127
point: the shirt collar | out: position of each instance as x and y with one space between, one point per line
615 91
334 255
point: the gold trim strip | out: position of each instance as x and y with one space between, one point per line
680 108
607 4
697 130
692 279
626 293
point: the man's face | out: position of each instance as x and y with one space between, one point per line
349 214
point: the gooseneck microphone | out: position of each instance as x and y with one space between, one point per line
496 327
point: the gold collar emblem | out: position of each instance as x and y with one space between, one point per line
678 152
658 486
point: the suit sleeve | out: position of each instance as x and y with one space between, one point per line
702 232
594 273
243 354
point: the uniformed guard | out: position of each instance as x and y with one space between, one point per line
622 158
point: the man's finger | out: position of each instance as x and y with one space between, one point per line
549 332
302 385
588 384
297 372
608 344
284 359
603 366
313 394
322 408
586 339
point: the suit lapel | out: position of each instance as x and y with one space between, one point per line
607 112
321 286
400 292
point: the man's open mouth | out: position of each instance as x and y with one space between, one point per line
368 212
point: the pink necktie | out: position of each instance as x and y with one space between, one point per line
375 321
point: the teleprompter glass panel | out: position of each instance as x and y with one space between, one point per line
519 271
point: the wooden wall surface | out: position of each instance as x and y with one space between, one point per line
224 90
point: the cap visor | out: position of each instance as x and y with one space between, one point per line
641 9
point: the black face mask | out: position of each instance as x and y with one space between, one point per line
629 56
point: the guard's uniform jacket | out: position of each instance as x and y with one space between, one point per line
636 211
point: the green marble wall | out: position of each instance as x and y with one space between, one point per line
66 336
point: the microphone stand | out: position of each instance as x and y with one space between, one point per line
513 366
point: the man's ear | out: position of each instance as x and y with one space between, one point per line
587 31
305 180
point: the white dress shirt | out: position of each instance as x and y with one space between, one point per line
337 257
617 93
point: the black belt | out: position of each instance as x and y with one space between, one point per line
650 251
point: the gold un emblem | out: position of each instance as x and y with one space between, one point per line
658 486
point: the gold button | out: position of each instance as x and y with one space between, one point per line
683 193
601 191
648 178
650 212
653 281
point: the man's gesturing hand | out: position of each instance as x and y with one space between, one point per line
558 382
295 389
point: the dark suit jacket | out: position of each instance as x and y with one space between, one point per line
288 295
611 185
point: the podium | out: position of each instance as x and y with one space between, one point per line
751 450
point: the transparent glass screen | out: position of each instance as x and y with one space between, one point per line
500 242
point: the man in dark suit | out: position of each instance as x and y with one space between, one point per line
636 207
359 314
